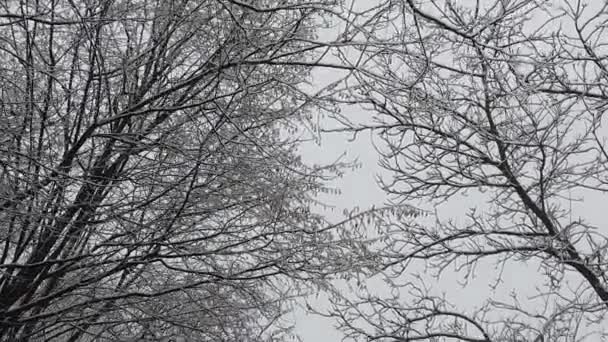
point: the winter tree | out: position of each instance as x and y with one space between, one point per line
503 100
149 182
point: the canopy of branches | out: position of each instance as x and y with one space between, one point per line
151 186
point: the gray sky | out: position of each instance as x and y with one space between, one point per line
358 188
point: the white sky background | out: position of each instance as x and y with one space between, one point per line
359 188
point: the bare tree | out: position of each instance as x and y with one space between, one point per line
504 100
149 185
